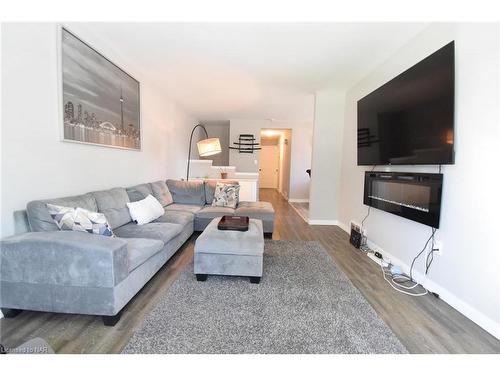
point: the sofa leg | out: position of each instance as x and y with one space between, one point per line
254 279
11 313
111 321
201 277
268 235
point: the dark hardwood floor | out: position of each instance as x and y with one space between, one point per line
423 324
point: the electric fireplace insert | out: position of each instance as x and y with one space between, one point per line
415 196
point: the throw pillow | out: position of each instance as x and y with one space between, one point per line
145 210
226 195
161 192
210 188
80 220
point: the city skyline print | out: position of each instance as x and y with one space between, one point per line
100 100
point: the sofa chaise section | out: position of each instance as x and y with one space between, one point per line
197 196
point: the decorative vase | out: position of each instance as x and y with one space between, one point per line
223 175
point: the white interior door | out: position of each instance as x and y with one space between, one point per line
269 166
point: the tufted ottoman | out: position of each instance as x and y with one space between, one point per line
232 253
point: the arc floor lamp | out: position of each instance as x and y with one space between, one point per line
206 147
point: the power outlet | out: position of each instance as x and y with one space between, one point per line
438 246
355 226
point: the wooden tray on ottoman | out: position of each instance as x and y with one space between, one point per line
230 222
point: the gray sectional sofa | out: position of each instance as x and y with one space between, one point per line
45 269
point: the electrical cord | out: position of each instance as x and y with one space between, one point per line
429 262
430 257
363 237
367 214
397 281
420 253
399 285
405 280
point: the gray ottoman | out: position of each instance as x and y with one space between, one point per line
227 252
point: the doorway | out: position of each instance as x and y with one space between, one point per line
274 163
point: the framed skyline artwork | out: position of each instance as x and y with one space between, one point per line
101 102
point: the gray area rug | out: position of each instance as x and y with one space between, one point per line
304 304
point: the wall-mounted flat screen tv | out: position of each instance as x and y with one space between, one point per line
409 120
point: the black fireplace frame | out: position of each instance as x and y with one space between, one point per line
432 180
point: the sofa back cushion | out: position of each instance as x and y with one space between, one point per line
210 188
187 192
139 192
161 193
39 217
113 204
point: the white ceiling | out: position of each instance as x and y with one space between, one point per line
260 70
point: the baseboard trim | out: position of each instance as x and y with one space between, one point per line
450 298
344 227
323 222
298 200
298 212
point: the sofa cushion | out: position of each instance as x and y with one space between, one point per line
80 220
139 192
177 217
161 192
210 188
113 204
140 250
256 210
39 218
187 192
156 231
184 207
214 211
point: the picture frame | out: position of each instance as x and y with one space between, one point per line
100 102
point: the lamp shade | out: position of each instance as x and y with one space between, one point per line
209 146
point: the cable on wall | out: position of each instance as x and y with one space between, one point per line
430 257
363 237
421 251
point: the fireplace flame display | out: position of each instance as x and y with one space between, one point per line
401 204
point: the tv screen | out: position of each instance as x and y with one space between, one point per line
409 120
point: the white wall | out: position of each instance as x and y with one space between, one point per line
301 149
326 157
36 164
466 275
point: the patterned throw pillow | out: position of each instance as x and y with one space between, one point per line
226 195
80 220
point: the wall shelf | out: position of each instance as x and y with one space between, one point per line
246 144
